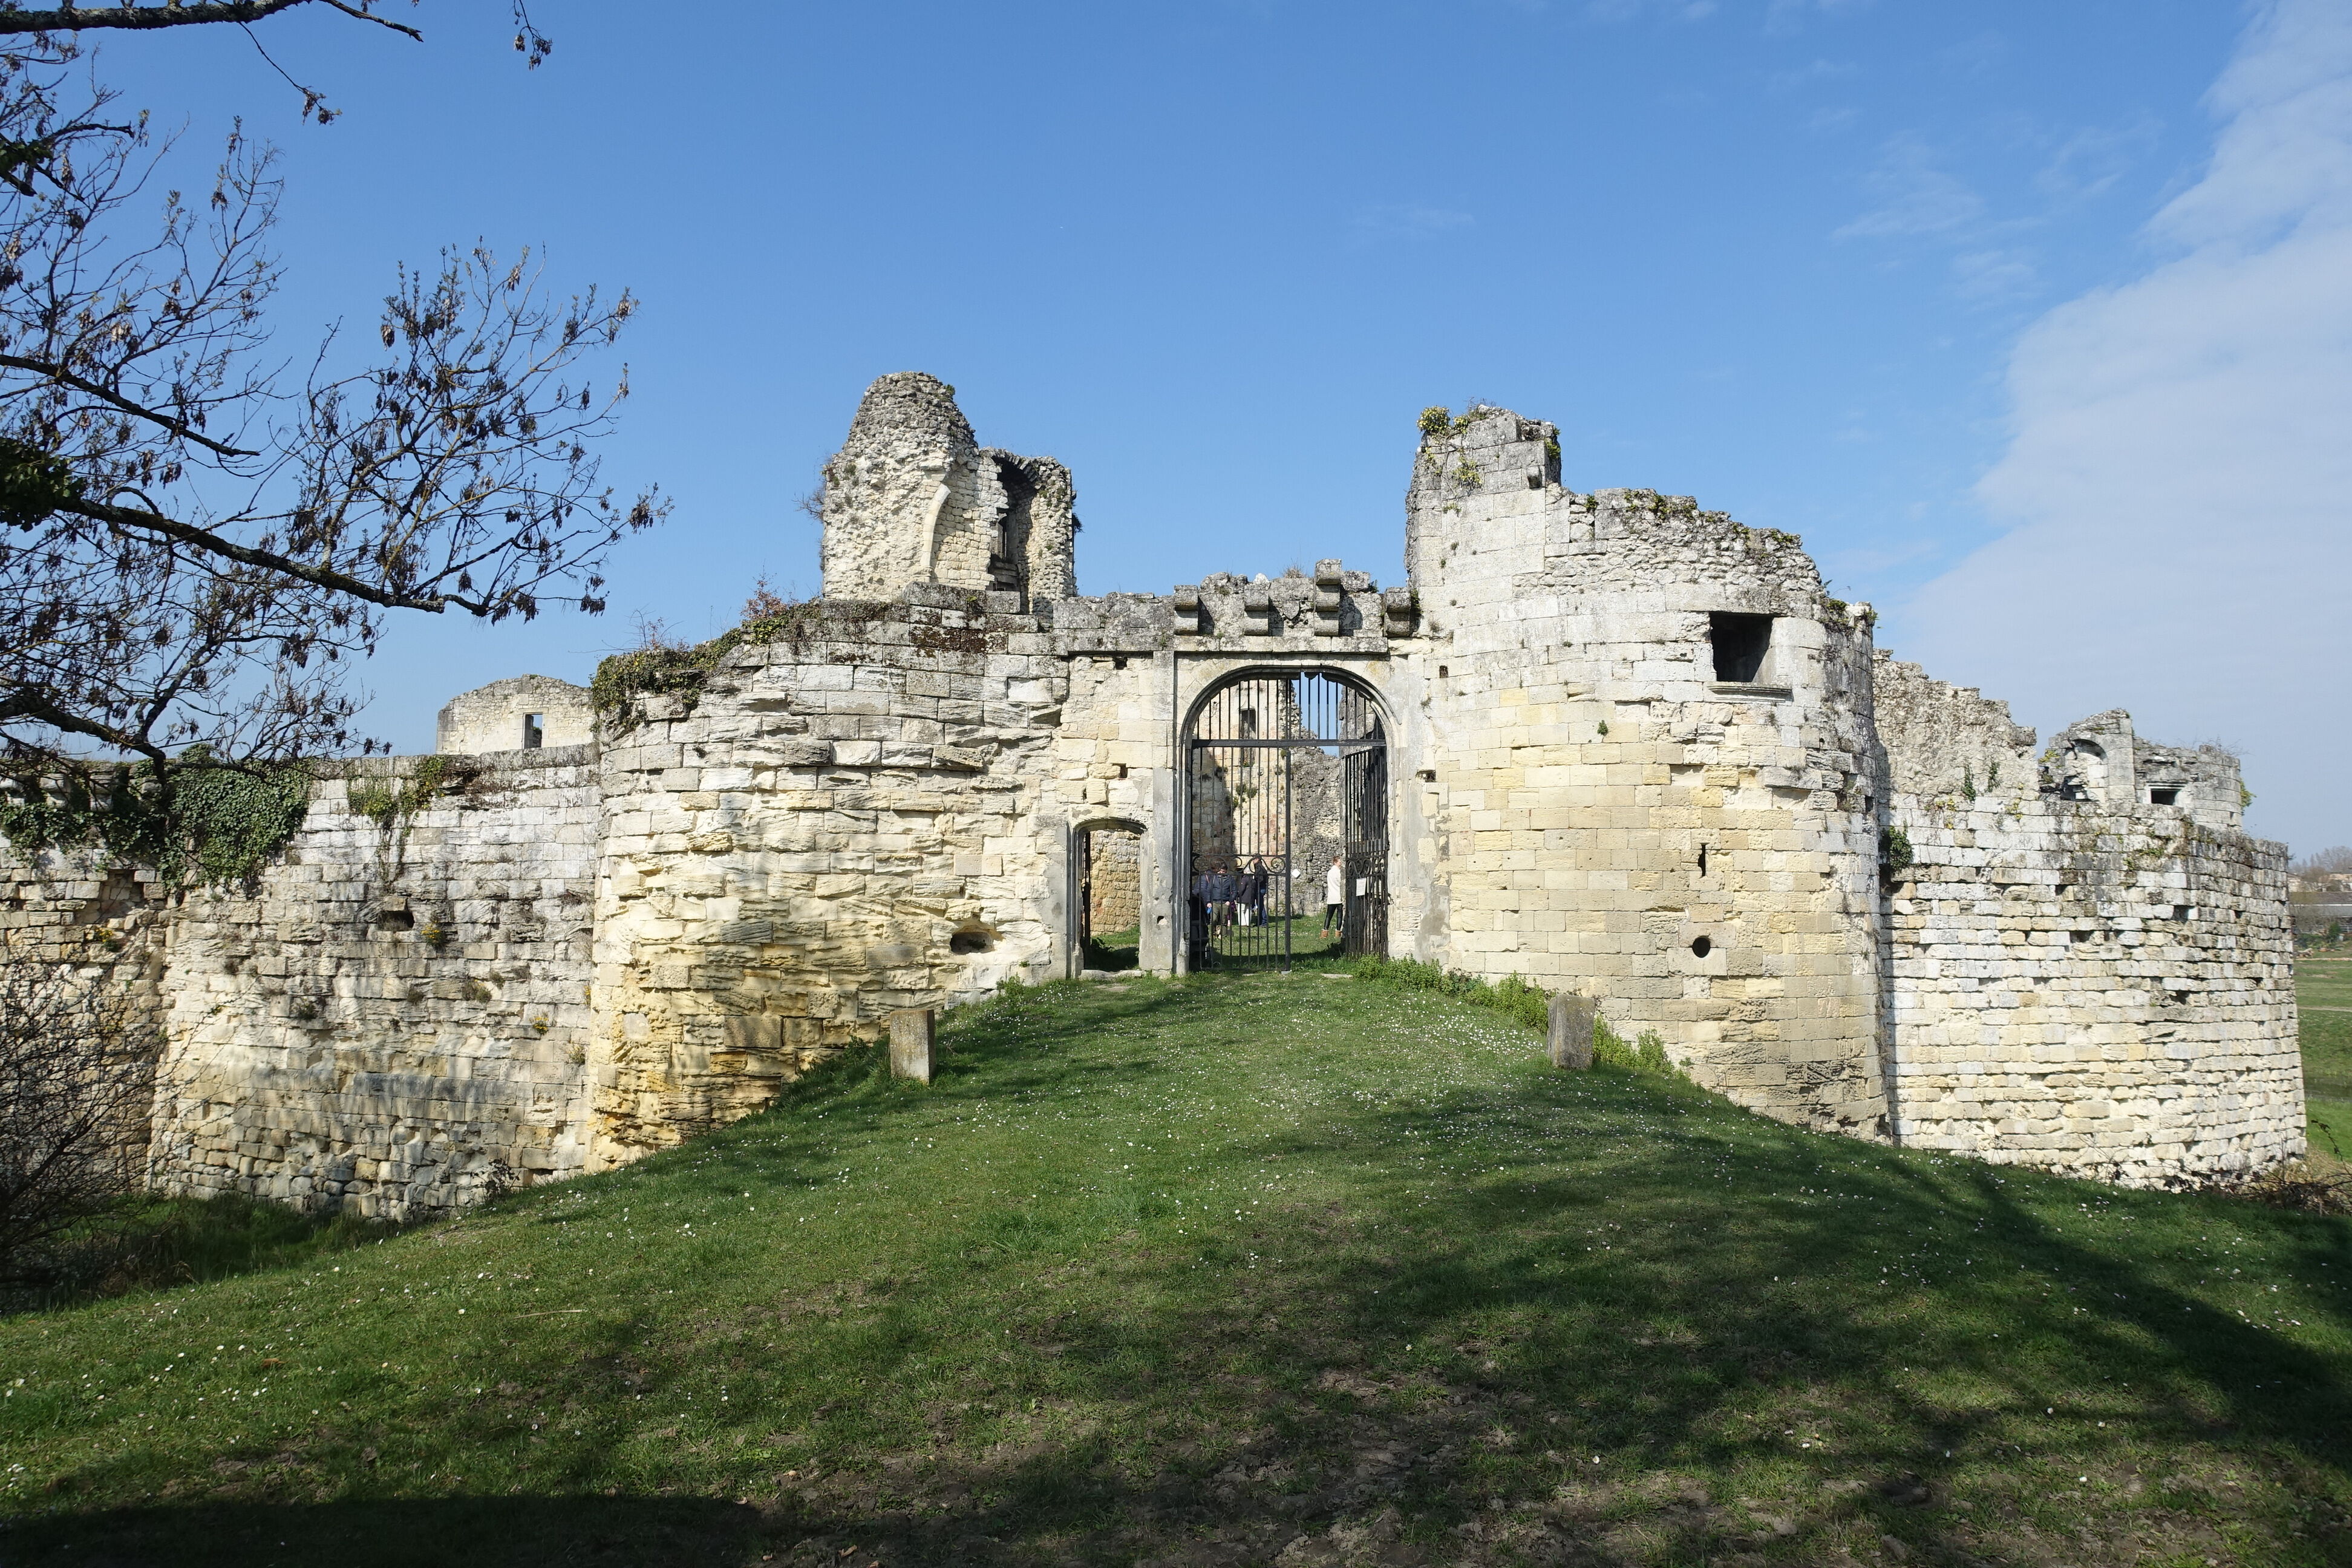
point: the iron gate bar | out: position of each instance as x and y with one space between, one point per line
1325 783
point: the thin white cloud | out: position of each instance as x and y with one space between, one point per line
2178 476
1915 196
2089 163
1994 275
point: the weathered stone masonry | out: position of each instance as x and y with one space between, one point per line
1636 750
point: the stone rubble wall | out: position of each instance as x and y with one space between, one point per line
1114 880
108 924
913 498
841 822
395 1019
1946 742
2109 993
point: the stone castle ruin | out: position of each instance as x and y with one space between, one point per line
1608 743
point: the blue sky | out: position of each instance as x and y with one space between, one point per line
1910 280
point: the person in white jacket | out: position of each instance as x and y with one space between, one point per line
1335 896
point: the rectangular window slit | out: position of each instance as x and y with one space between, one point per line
1740 643
534 731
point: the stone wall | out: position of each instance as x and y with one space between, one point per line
838 822
2109 994
1634 751
497 717
2088 964
1607 816
396 1018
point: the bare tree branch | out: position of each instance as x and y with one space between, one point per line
114 399
194 547
81 18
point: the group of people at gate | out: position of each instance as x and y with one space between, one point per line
1223 897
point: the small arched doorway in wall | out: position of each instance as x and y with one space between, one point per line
1285 802
1106 894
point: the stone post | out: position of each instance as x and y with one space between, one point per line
1571 1032
913 1032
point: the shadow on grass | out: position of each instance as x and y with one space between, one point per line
152 1243
1564 1318
494 1533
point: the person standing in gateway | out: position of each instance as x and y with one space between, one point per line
1335 896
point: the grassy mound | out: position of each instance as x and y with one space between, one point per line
1246 1269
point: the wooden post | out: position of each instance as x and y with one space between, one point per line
1571 1032
913 1032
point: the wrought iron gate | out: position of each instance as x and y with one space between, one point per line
1287 805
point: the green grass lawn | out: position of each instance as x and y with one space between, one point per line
2322 986
1243 1269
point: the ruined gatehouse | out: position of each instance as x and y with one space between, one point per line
1608 743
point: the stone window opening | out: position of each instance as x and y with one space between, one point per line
1702 860
1008 556
970 941
534 731
2183 912
1701 947
1118 661
1122 770
2164 794
1740 643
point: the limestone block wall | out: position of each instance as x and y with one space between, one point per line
107 923
2105 992
396 1018
2077 976
849 819
1608 815
495 717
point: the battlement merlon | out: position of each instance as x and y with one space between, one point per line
1333 611
913 498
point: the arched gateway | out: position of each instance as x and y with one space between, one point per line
1284 770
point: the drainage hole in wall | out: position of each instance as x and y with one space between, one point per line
2082 936
1701 948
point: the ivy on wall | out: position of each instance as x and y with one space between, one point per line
217 826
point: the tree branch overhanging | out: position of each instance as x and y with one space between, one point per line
82 18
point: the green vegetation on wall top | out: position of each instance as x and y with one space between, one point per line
216 826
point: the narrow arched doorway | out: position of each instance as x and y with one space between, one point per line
1286 821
